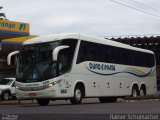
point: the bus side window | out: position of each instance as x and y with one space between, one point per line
112 54
63 62
82 54
88 52
93 53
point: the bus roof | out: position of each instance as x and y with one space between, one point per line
81 36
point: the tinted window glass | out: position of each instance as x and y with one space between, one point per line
89 51
65 56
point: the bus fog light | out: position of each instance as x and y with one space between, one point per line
50 85
17 87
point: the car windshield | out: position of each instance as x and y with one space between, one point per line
6 82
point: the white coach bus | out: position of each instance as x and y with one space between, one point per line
75 66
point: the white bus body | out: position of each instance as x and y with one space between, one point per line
73 66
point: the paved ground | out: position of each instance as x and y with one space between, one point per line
90 109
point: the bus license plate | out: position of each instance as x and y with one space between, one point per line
32 94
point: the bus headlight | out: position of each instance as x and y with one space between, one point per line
17 87
50 85
54 83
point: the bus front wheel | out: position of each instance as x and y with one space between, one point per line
77 99
43 102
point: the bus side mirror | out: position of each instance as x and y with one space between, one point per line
10 55
56 51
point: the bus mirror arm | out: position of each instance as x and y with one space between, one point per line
10 55
56 51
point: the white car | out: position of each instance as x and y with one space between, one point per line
7 88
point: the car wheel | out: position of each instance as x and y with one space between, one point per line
5 96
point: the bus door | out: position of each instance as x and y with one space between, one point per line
64 65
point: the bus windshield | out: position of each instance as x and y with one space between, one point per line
35 62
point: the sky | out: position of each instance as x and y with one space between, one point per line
94 17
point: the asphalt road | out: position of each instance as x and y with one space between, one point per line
89 109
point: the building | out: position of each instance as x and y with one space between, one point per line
12 34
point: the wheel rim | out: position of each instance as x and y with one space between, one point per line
78 94
6 96
142 92
134 93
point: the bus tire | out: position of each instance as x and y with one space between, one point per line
43 102
134 92
107 99
77 99
142 91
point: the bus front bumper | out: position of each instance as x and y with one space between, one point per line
47 93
